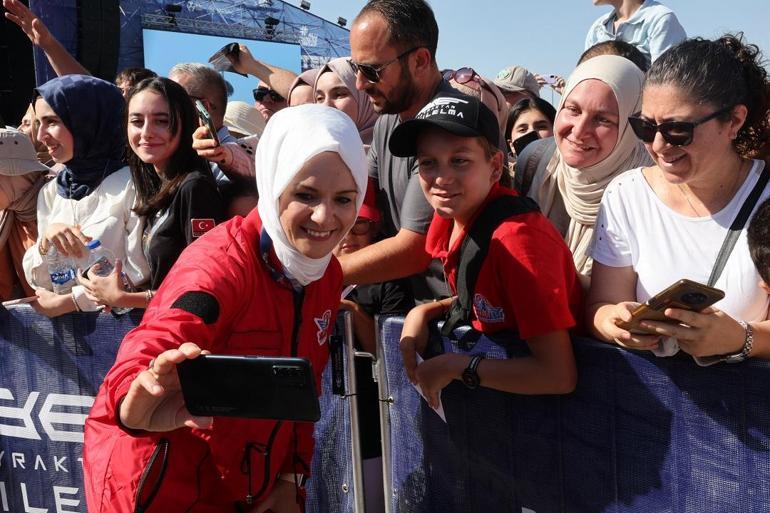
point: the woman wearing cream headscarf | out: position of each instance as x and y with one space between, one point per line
335 86
265 284
594 143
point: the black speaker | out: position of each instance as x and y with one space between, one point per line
99 37
17 72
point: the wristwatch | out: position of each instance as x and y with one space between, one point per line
470 374
747 345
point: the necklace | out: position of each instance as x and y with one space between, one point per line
730 192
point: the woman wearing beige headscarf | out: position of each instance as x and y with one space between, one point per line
21 177
335 86
594 143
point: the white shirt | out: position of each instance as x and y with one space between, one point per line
635 228
105 214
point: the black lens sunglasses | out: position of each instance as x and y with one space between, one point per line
677 133
261 92
372 73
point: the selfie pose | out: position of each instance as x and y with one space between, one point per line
263 285
669 221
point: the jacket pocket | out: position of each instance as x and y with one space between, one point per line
152 477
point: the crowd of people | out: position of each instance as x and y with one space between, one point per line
382 173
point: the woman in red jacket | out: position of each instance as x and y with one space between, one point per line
266 284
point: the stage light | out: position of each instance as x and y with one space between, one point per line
173 8
304 4
342 21
270 24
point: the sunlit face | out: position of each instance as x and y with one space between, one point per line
586 127
27 125
711 140
455 173
514 97
332 92
352 242
124 87
319 205
370 44
149 132
53 134
301 95
531 120
269 106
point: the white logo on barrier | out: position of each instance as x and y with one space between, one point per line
48 417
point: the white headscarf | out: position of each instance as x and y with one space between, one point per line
292 137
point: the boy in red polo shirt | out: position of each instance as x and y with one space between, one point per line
527 283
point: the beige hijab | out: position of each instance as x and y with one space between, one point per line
581 190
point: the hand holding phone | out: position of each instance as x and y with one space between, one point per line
684 294
206 120
226 58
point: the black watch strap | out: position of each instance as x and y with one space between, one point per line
470 374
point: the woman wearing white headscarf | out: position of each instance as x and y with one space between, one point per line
265 284
594 143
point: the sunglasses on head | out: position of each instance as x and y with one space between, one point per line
469 78
677 133
372 73
260 93
362 226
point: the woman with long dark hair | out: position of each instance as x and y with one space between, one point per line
175 190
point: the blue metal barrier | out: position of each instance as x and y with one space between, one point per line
639 434
50 371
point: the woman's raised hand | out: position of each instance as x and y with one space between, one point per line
154 401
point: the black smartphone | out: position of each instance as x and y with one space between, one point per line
684 294
522 142
220 61
205 117
255 387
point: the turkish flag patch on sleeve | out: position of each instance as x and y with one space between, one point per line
201 226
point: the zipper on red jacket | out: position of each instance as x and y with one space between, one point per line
246 463
160 451
299 298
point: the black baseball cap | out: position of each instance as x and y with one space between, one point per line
456 113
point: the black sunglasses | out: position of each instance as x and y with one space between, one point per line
372 73
260 93
678 133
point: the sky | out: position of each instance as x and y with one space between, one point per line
548 36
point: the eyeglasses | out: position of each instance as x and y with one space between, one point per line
469 78
362 226
678 133
463 76
372 73
261 92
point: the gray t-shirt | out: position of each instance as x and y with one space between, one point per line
401 199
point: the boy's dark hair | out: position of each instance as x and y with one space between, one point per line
758 235
133 76
412 23
153 194
525 105
721 73
620 48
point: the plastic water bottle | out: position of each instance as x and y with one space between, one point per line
61 269
105 259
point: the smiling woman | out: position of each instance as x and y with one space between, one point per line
666 222
80 124
265 284
176 193
594 143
